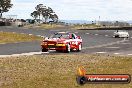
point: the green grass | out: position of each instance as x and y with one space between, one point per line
58 26
85 26
45 26
9 37
59 71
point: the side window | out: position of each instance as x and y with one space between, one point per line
73 36
70 36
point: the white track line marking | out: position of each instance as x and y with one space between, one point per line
125 43
39 35
113 47
4 56
101 52
30 34
96 34
24 54
116 53
129 54
87 33
131 37
106 35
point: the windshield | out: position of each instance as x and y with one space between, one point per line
121 31
58 35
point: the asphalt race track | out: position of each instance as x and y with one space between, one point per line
94 42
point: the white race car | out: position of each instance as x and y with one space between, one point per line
121 34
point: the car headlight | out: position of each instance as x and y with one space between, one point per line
45 43
61 44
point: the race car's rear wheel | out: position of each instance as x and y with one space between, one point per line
44 50
116 36
68 49
79 47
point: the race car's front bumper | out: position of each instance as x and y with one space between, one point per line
54 46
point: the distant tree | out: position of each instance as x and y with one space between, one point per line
45 12
54 17
35 14
39 8
5 5
116 23
121 24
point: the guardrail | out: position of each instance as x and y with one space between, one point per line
106 28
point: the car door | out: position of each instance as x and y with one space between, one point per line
74 41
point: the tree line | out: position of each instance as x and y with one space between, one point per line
5 5
44 12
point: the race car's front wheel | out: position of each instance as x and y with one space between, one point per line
44 50
68 49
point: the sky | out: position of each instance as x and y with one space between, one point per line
91 10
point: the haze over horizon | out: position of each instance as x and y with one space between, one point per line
77 9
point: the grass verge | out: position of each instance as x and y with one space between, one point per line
45 26
9 37
57 26
59 71
85 26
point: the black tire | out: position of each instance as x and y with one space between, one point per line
68 49
116 36
58 50
81 80
79 47
44 50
